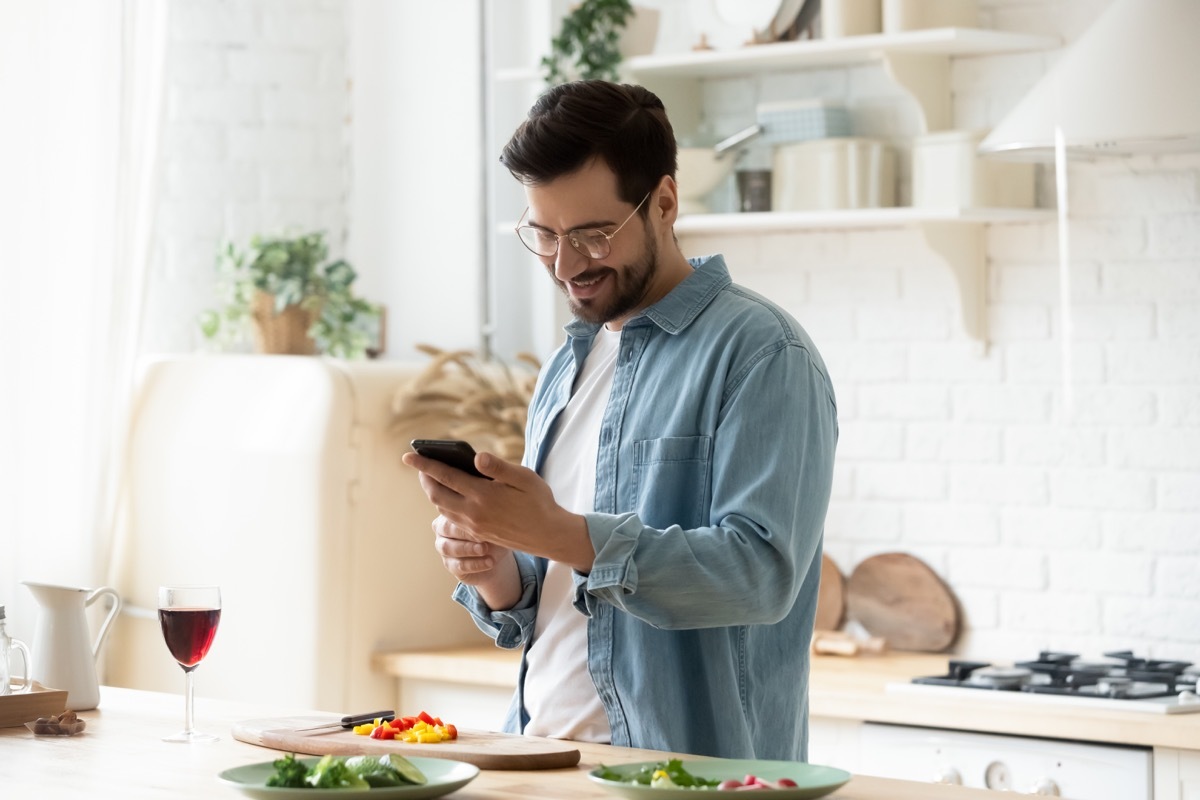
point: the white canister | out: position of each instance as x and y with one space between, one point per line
826 174
915 15
841 18
948 172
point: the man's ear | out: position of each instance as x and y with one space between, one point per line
665 203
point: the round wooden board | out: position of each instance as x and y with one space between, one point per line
897 596
831 597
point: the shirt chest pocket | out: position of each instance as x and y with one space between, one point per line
672 480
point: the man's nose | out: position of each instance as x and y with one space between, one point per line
568 262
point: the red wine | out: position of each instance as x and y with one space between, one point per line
189 632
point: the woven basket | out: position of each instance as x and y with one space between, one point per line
285 333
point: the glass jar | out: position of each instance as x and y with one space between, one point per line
7 647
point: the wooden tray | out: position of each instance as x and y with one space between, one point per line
484 749
17 709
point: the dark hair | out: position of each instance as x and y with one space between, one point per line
571 124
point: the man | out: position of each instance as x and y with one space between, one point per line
659 553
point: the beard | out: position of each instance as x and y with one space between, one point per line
629 287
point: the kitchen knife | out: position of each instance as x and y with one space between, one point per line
351 721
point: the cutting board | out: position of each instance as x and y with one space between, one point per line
484 749
831 596
897 596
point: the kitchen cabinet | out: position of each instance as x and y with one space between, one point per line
836 743
1177 773
916 61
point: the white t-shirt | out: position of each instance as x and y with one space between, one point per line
560 696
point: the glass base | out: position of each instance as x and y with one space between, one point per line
192 736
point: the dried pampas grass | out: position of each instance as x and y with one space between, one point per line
460 397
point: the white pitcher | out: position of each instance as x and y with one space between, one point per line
64 653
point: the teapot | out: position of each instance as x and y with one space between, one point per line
62 643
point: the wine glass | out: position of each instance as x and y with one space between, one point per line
189 617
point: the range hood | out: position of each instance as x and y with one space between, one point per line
1126 86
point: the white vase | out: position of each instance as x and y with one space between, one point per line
640 33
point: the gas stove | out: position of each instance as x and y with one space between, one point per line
1120 680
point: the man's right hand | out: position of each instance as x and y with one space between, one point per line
490 568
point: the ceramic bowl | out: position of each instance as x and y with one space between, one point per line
699 173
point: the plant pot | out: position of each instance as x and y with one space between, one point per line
283 333
640 34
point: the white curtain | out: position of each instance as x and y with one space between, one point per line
81 85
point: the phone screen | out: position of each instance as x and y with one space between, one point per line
452 452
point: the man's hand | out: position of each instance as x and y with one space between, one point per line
488 567
515 510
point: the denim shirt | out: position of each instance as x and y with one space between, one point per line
713 478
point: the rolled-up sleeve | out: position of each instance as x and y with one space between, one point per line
512 627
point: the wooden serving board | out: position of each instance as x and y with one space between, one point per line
897 596
484 749
831 596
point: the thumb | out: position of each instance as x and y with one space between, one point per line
497 468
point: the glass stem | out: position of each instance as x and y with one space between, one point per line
187 720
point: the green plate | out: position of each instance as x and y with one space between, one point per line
443 776
811 780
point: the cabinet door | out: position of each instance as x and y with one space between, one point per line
1176 774
834 742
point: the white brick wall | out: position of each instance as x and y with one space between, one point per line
1056 528
254 142
1064 528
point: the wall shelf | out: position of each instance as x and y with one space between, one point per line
953 235
916 61
783 221
756 59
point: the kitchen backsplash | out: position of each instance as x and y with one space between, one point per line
1056 527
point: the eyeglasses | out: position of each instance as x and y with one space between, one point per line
592 242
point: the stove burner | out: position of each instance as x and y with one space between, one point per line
1114 686
1000 677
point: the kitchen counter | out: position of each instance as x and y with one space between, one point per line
855 689
121 755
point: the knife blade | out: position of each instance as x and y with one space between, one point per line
350 721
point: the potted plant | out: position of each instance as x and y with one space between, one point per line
281 292
590 43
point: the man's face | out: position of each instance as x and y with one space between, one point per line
609 289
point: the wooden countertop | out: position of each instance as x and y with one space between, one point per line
855 689
121 755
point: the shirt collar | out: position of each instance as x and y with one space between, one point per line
682 304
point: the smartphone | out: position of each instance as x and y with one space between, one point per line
452 452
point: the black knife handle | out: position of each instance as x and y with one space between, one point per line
362 719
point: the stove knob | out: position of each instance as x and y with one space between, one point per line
997 776
1045 787
948 775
